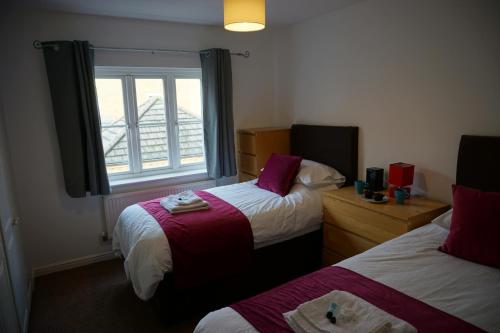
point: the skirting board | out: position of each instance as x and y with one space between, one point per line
73 263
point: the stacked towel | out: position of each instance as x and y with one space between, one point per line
354 315
183 202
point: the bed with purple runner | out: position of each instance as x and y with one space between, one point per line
249 239
265 310
195 238
430 290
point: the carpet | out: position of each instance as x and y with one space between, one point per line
96 298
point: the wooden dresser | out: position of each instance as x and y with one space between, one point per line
255 145
353 225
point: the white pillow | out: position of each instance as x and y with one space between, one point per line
444 220
314 174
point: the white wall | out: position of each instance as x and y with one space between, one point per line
59 227
413 75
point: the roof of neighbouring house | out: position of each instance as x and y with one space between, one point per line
153 139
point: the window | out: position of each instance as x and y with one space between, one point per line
151 120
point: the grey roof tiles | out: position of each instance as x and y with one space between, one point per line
153 135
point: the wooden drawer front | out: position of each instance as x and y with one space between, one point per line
368 224
343 242
248 164
426 218
244 177
331 258
247 143
271 142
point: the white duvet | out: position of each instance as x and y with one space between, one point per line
273 219
412 265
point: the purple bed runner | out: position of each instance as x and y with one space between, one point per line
206 245
265 311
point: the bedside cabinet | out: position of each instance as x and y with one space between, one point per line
255 145
353 225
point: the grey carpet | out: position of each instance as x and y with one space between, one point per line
95 298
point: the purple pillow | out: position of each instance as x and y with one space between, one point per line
475 226
279 173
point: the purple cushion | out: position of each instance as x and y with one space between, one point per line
279 173
475 226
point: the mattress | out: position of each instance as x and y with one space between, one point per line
412 265
273 219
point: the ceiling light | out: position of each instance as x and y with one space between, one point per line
244 15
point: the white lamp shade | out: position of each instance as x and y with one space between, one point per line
244 15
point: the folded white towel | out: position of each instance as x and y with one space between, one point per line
170 204
185 210
186 198
354 315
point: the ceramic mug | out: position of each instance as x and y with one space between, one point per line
359 186
401 196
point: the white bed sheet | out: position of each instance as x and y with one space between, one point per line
273 219
412 265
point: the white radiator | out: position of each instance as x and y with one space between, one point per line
114 204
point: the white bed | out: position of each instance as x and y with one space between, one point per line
412 265
273 219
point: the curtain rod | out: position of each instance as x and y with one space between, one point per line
38 45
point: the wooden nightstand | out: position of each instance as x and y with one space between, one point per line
254 147
353 225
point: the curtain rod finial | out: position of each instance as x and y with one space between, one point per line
246 54
37 44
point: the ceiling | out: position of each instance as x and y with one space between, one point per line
279 12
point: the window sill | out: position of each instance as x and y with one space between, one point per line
141 183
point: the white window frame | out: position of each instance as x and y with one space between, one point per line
168 75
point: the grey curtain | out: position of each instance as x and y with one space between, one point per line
218 124
70 70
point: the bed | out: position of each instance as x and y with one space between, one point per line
283 228
460 288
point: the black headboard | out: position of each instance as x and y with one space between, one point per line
478 162
336 146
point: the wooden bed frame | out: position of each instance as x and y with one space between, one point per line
275 264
